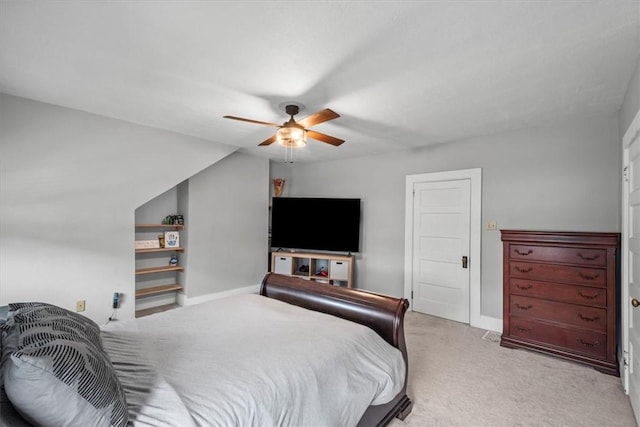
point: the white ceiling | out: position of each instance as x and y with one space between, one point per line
401 74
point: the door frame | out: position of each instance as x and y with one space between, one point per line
475 233
631 134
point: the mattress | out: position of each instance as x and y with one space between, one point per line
249 360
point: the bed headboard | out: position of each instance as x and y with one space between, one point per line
383 314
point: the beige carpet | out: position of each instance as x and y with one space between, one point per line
458 379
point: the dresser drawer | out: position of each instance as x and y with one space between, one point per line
591 318
559 292
591 343
559 273
583 256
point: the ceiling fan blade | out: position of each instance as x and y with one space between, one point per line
268 141
251 121
319 117
324 138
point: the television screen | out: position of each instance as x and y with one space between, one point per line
323 224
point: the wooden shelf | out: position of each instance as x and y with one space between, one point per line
159 269
152 250
167 226
167 285
154 310
155 290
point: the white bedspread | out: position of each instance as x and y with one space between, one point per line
249 360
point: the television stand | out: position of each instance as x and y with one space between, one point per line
320 267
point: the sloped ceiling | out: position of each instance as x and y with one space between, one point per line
400 74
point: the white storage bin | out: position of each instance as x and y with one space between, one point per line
339 270
283 265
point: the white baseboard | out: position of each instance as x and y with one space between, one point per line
183 300
488 323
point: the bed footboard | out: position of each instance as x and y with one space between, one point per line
383 314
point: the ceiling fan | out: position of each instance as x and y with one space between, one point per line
294 134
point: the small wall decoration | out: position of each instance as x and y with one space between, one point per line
147 244
171 239
278 186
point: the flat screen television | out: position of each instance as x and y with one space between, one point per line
315 223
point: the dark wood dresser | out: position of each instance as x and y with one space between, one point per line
560 295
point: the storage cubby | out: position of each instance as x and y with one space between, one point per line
301 266
320 267
319 270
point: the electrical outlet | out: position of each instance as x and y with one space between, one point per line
80 305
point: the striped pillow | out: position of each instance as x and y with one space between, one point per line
59 374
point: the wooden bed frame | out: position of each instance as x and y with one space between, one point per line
383 314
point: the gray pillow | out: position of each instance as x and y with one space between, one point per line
57 372
9 417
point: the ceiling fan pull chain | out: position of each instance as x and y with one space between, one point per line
288 154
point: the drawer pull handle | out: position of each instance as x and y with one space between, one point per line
524 270
587 343
588 296
524 307
588 319
521 329
587 277
529 252
588 258
524 288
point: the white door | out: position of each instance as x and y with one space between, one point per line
440 282
630 301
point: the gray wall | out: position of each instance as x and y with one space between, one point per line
631 103
225 238
227 225
562 177
154 211
69 185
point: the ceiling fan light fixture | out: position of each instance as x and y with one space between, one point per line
291 136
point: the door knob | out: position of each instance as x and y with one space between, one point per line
635 302
465 261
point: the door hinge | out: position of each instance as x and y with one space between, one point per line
625 173
411 294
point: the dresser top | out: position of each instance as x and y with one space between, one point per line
564 237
